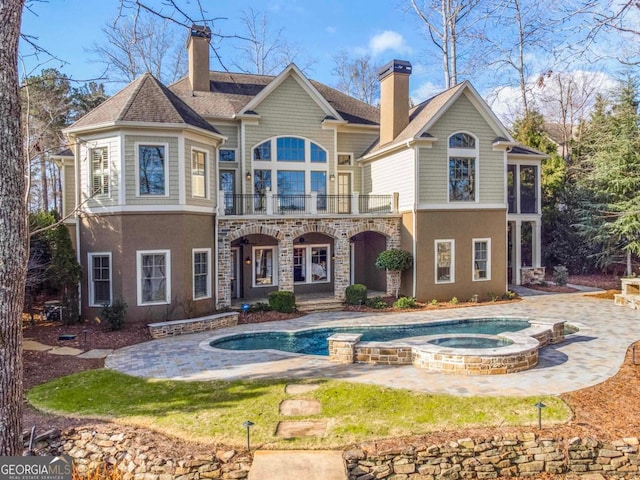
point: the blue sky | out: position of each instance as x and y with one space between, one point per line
383 29
321 29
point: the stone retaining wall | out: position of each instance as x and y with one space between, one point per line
517 455
193 325
137 459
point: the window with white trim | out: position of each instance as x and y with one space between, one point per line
99 279
345 159
154 277
463 158
152 170
227 155
445 261
310 264
265 270
100 171
198 173
201 273
481 259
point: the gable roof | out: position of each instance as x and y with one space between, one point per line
425 114
230 94
145 100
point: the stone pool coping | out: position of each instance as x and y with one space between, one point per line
521 355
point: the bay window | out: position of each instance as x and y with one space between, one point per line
152 170
154 277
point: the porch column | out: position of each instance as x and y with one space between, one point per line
393 276
517 242
537 244
285 264
224 273
342 266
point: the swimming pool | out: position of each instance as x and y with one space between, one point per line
314 341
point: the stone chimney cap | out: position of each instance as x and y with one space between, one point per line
395 66
200 31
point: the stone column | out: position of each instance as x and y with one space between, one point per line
285 264
342 267
224 273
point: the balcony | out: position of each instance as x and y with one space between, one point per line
307 204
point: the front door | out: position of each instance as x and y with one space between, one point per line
344 192
228 186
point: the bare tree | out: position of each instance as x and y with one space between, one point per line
13 234
357 77
144 43
264 51
519 43
448 24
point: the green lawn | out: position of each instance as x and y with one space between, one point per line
213 412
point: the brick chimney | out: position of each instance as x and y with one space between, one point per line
394 99
198 49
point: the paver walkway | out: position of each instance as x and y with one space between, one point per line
297 465
589 357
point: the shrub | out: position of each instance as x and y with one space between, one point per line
560 275
493 297
259 307
115 314
509 295
434 302
405 302
356 294
377 303
454 301
282 301
394 259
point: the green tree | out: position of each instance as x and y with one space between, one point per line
394 260
611 158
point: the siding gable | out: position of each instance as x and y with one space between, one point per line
433 166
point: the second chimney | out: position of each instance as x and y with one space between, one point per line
394 99
198 49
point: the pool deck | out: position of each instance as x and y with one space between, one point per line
586 358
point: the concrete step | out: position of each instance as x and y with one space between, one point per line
298 465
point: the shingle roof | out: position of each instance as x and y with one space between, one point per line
144 100
231 92
420 115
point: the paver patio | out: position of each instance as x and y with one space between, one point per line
586 358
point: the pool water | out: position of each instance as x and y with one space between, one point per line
471 342
314 342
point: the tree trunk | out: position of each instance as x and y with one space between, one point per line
13 232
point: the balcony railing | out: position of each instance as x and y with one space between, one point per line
307 204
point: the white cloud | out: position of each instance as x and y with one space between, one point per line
425 91
388 40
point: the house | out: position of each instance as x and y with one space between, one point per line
227 186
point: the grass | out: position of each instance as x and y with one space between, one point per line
213 412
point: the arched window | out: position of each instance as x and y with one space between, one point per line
262 151
462 140
463 159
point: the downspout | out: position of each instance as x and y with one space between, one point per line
77 183
414 212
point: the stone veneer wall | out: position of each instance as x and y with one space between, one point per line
286 230
137 459
193 325
532 275
515 455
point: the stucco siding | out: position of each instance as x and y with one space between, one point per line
172 170
178 233
462 227
395 173
462 116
